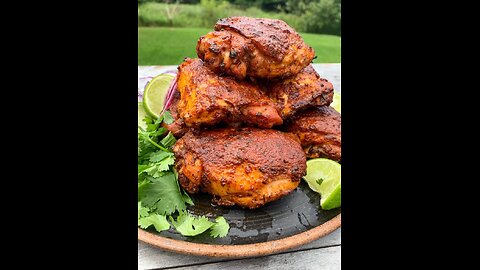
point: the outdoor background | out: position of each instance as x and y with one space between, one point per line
168 30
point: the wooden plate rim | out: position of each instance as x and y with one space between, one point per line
238 251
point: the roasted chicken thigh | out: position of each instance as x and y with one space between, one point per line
207 99
319 131
259 48
301 91
248 167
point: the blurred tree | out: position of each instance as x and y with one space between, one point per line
213 10
163 1
171 10
272 5
317 16
244 3
267 5
323 17
295 6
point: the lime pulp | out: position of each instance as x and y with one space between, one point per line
324 176
337 102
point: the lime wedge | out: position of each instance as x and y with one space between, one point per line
141 115
324 176
333 199
154 94
336 103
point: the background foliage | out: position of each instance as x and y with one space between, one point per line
168 30
310 16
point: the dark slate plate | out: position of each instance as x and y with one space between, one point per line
295 213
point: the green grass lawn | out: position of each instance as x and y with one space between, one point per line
168 46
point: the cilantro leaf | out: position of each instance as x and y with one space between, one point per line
189 225
153 125
152 170
147 120
143 168
162 194
165 163
168 141
167 118
149 139
159 156
158 221
142 211
159 168
142 181
187 198
220 228
319 181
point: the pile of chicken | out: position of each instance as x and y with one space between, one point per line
249 112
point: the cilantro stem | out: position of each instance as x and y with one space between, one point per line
151 141
157 145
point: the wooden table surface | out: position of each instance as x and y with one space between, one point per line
323 253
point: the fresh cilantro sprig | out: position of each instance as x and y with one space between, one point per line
159 194
158 221
220 228
189 225
162 195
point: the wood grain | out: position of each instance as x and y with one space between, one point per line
324 258
151 257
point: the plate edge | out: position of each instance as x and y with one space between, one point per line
240 251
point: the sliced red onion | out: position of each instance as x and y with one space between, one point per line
170 93
143 82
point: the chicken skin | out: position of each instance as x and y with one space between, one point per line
178 127
248 167
319 131
254 47
207 99
304 90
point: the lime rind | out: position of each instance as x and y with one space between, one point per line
334 200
